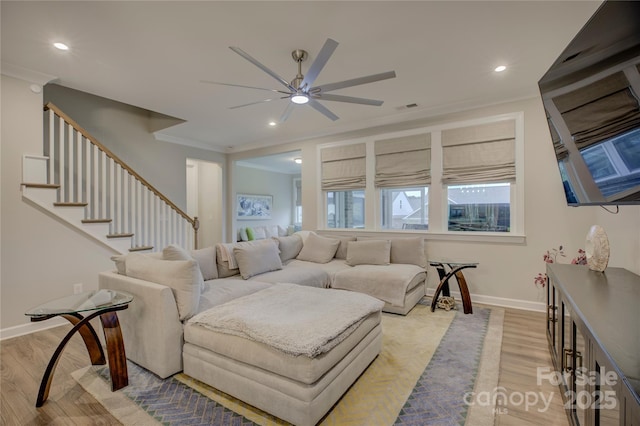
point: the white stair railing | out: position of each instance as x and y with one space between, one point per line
89 174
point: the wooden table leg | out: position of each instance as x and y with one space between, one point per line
91 342
115 350
462 284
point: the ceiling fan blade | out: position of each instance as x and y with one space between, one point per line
353 82
255 62
252 103
319 63
322 109
287 112
246 87
350 99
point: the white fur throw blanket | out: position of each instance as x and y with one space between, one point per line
295 319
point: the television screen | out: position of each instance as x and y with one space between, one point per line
591 97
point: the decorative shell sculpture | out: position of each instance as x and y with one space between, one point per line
597 249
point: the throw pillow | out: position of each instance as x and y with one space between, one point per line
282 232
318 249
409 251
243 234
183 276
289 247
257 259
250 235
120 260
223 253
341 253
259 233
368 252
174 252
206 258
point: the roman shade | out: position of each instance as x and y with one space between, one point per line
480 153
600 110
402 162
343 167
558 146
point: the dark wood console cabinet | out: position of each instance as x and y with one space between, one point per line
593 327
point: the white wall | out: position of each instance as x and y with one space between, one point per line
506 270
125 130
210 211
262 182
40 257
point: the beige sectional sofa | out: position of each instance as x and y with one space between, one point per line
171 324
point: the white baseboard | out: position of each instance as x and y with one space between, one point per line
498 301
21 330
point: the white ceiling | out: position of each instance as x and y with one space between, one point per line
154 55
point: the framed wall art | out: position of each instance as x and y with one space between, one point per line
250 206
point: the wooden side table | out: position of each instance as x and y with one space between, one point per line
455 270
103 303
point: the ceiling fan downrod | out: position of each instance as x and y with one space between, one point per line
299 56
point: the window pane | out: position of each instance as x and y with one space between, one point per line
345 209
405 208
484 207
598 163
628 147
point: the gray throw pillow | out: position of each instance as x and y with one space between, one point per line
257 259
318 249
289 246
368 252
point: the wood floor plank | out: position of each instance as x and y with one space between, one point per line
24 359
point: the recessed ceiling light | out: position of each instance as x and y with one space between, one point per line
500 68
61 46
272 123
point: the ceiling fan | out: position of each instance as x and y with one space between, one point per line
301 90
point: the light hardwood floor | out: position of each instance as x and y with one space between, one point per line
23 360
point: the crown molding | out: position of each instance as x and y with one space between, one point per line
26 74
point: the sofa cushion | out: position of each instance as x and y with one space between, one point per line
257 259
341 253
289 246
408 251
183 276
318 249
368 252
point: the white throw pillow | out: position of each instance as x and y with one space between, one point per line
318 249
259 233
289 246
368 252
183 276
257 259
409 251
243 234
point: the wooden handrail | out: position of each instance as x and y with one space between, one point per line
193 222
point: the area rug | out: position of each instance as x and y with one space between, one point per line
428 363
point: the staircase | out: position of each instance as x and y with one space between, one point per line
84 184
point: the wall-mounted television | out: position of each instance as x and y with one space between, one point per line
591 95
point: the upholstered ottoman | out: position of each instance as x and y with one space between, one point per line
269 373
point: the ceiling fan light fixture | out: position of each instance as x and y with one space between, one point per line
300 98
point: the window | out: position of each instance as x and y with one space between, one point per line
478 168
448 180
483 207
405 208
345 209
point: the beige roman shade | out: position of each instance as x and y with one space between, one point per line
481 153
344 167
600 110
403 162
558 146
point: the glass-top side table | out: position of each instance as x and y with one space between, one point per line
102 303
455 270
